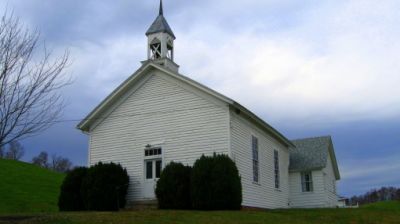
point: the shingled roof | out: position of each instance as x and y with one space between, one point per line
312 154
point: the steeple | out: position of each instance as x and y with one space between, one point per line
161 13
160 24
161 42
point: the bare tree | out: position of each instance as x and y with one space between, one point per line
15 151
60 164
375 195
41 160
29 82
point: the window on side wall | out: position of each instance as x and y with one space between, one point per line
306 182
334 186
254 149
276 169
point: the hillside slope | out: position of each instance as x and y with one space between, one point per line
384 205
27 188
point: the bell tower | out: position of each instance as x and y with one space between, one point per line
160 44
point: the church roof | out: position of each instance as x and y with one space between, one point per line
160 25
312 154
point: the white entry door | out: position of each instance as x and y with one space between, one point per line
152 172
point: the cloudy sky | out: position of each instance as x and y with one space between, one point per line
308 68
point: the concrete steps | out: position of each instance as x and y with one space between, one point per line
142 205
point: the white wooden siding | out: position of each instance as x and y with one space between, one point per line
300 199
262 194
330 185
324 194
166 112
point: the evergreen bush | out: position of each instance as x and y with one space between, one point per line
173 187
215 184
70 198
105 187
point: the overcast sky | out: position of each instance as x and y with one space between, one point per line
308 68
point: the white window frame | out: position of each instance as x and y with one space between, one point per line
305 183
255 159
157 153
153 168
154 158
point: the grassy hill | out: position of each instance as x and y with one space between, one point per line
384 205
26 188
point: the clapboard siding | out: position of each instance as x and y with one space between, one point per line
324 194
330 185
262 194
314 199
165 112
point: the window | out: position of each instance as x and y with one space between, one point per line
149 170
152 162
153 152
153 169
276 168
254 149
306 182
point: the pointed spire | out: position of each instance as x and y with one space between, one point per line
161 9
160 25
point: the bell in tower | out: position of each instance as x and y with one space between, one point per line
161 42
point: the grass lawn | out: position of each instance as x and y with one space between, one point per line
28 194
27 188
382 213
387 205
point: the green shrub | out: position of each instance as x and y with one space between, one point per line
105 187
173 187
215 184
70 198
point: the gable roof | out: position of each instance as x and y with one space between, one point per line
312 154
148 65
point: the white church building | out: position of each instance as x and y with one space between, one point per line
159 115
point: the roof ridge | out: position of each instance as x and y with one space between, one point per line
309 138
